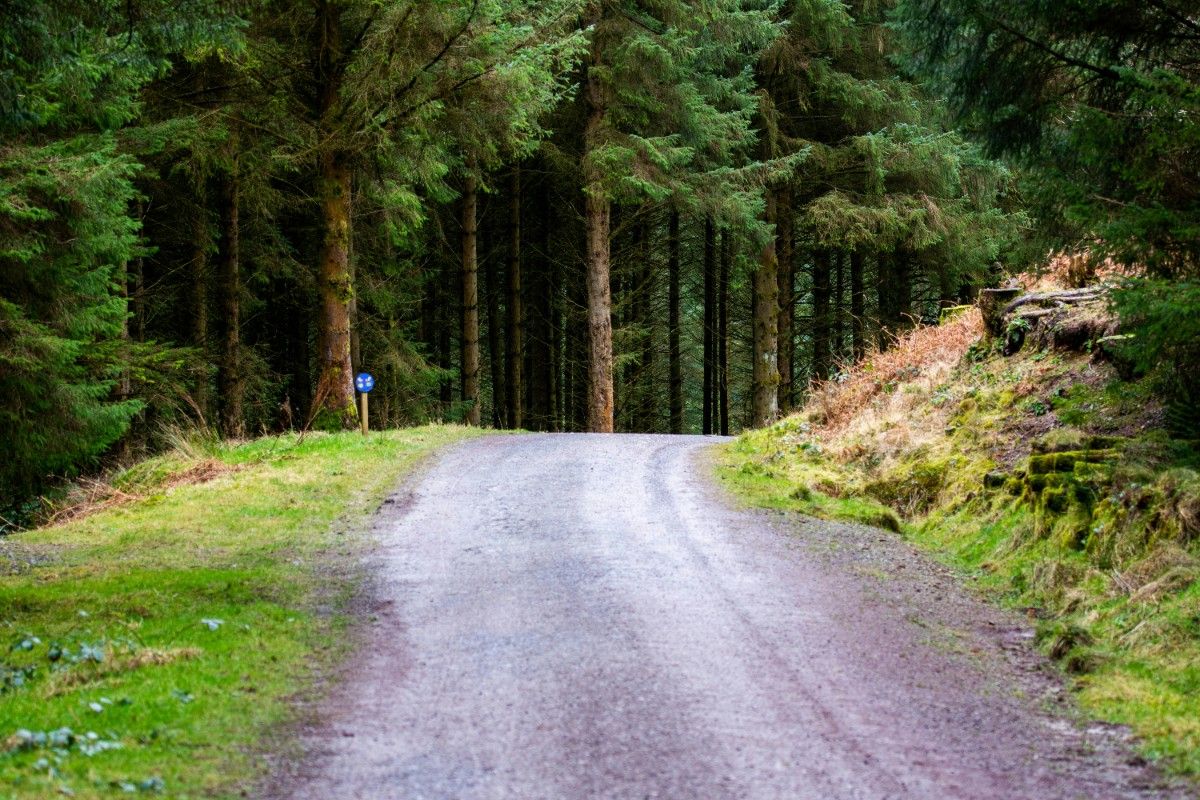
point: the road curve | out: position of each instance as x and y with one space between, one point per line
584 616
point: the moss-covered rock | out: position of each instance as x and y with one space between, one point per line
1066 461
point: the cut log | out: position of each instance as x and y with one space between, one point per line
1071 296
992 304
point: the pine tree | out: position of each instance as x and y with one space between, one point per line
669 98
71 77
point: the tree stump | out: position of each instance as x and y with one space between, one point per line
992 304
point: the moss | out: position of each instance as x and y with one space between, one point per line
1066 461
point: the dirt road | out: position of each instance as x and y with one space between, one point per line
576 616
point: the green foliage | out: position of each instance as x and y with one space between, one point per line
71 73
678 96
1165 319
1101 98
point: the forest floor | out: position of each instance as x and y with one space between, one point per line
574 615
152 643
1050 484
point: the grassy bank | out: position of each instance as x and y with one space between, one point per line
1051 484
149 646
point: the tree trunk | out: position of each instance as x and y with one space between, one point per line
333 401
676 362
857 303
495 351
787 301
723 331
516 313
820 314
839 307
231 383
710 325
470 302
554 402
335 390
765 406
646 409
200 244
597 221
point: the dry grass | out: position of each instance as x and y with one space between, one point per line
61 683
90 496
918 360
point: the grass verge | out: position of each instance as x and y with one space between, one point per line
149 647
1046 479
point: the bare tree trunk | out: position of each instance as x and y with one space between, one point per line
648 411
857 303
820 315
597 220
333 398
765 405
554 402
675 356
200 243
231 383
839 307
710 325
335 390
470 301
723 331
516 312
787 301
495 351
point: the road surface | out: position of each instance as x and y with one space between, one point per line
584 616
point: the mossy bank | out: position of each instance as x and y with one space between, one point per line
149 647
1053 484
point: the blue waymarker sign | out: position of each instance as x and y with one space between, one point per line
364 382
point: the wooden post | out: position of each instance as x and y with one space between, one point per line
363 412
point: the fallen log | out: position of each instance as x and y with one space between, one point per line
1069 296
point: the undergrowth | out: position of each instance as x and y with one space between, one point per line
1049 481
148 643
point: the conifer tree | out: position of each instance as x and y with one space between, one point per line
70 74
669 97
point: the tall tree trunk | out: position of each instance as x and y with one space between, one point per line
334 394
554 402
895 296
787 300
675 356
335 389
765 405
470 302
884 297
495 351
448 290
839 307
710 325
516 312
200 244
646 403
820 314
723 331
597 217
231 382
857 303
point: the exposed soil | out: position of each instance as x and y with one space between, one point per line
580 616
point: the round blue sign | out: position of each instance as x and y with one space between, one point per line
364 382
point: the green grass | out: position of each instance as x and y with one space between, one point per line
168 633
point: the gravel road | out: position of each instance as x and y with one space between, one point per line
583 616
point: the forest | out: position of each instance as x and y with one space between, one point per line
561 215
